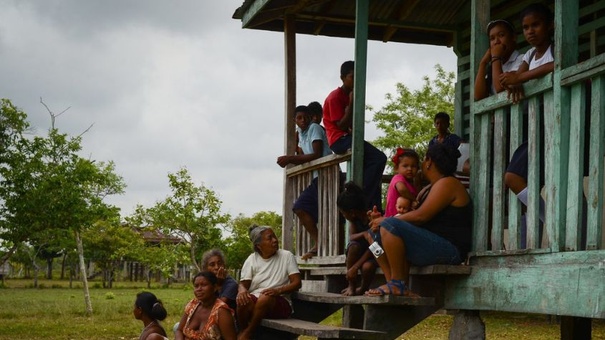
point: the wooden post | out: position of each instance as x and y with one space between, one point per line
289 131
479 173
359 91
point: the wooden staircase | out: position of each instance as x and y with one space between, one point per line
364 317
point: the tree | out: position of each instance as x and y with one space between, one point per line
407 120
238 245
192 214
107 242
47 186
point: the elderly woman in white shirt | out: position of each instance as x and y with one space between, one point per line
268 276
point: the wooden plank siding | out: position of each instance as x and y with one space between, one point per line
560 283
558 103
331 232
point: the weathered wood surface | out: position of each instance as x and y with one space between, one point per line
320 331
363 300
564 283
438 269
330 230
320 261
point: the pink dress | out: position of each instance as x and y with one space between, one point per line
393 194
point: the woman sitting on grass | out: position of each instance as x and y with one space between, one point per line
438 231
150 310
206 317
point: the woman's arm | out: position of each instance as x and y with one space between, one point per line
536 73
403 191
481 90
178 334
243 294
294 285
226 324
443 193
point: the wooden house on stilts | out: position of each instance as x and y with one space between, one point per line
561 268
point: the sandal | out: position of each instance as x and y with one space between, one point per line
399 284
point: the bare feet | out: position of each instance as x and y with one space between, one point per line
350 291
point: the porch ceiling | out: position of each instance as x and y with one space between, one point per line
430 22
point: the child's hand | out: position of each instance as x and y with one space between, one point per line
515 93
487 57
509 79
374 213
283 161
497 51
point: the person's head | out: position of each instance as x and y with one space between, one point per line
316 112
205 286
502 32
442 122
213 260
148 304
263 240
302 117
537 23
352 201
347 70
441 158
406 162
403 205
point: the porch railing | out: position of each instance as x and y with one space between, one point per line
330 227
573 107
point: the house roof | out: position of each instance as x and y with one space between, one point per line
155 236
430 22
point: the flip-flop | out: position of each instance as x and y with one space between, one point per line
392 283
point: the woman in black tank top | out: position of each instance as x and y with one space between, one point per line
438 231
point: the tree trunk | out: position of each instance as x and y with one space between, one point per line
49 268
36 269
8 254
63 265
84 277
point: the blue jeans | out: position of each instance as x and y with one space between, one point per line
374 162
422 247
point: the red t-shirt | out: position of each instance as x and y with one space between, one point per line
333 111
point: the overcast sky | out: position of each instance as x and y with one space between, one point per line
171 84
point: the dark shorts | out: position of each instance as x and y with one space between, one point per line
308 201
423 247
362 244
281 310
519 162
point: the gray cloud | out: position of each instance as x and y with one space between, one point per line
179 84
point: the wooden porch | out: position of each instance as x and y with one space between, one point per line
559 270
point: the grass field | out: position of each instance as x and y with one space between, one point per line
56 312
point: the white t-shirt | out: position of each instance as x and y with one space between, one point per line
514 61
547 57
268 273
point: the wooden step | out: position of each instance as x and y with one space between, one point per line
340 299
437 269
322 261
320 331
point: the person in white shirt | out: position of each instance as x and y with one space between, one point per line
268 277
501 56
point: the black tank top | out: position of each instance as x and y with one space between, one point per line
455 225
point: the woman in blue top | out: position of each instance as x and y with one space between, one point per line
214 261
